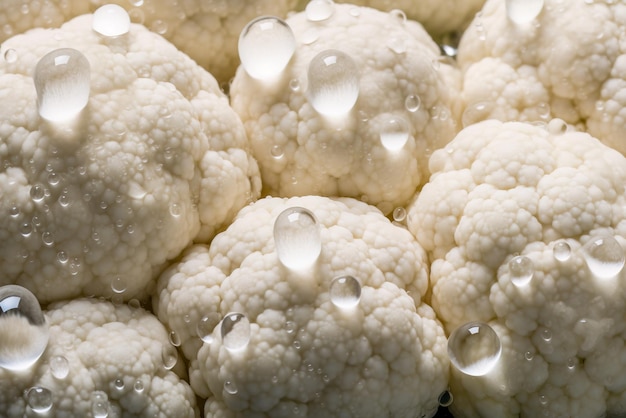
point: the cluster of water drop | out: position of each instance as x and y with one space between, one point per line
474 348
297 238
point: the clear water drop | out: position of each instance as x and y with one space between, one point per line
546 335
521 270
175 210
39 399
445 398
333 83
476 112
14 211
118 285
277 152
62 81
235 331
266 46
345 292
99 404
604 257
399 214
319 10
174 339
169 356
10 55
111 20
394 132
37 192
206 325
562 251
398 15
138 386
59 367
24 331
523 11
412 103
119 384
47 238
297 238
26 228
294 84
474 348
529 355
230 387
557 126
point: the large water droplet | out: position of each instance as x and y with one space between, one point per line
59 367
333 86
445 398
523 11
62 81
394 132
39 399
297 238
474 348
521 270
99 404
111 20
561 251
169 355
235 331
206 325
604 257
266 45
345 292
319 10
23 328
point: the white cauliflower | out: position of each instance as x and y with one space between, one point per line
97 205
526 229
303 129
292 349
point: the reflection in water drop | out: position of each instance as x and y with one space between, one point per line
333 83
297 238
474 348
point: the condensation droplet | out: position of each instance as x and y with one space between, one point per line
119 384
557 126
345 292
175 210
230 387
319 10
333 83
99 404
445 398
523 11
59 367
476 112
604 257
118 285
294 84
521 270
562 251
235 331
47 238
138 386
10 55
37 192
206 325
474 348
394 132
412 103
20 310
174 338
159 26
529 355
399 15
169 356
297 238
111 20
62 81
39 399
399 214
277 152
14 211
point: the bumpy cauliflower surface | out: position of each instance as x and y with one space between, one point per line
97 205
302 354
525 226
406 96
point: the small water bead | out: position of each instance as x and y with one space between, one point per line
174 339
37 192
10 55
266 46
345 292
26 228
62 257
294 84
20 310
394 132
571 363
523 11
111 20
521 270
39 399
159 26
474 348
399 214
546 335
399 15
529 355
99 404
119 384
333 83
557 126
562 251
169 356
319 10
118 285
230 387
445 398
14 211
47 238
604 257
59 367
235 331
297 238
412 103
476 112
62 81
355 11
205 327
138 386
175 210
277 152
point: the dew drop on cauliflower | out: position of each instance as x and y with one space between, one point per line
521 270
39 399
333 87
297 238
345 292
604 257
523 11
235 331
474 348
111 20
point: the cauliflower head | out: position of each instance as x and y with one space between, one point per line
525 226
348 336
101 360
157 158
303 129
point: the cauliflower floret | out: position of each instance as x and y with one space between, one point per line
156 159
101 358
526 229
296 351
404 93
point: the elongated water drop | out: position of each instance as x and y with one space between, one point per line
39 399
474 348
521 270
111 20
562 251
523 11
297 238
235 331
319 10
345 292
394 132
333 86
169 356
604 257
23 328
62 81
266 45
206 325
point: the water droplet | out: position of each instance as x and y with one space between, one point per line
39 399
14 211
206 325
37 192
119 384
562 251
20 310
290 327
10 55
604 257
345 292
546 335
59 367
571 363
47 238
111 20
521 270
523 11
169 355
476 112
235 331
175 210
138 386
174 338
446 398
118 285
159 26
297 238
319 10
394 132
99 404
529 355
399 214
474 348
277 152
62 81
412 103
399 15
333 79
557 126
294 84
230 387
266 46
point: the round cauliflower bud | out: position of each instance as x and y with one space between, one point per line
115 154
350 102
101 360
526 229
310 307
533 62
